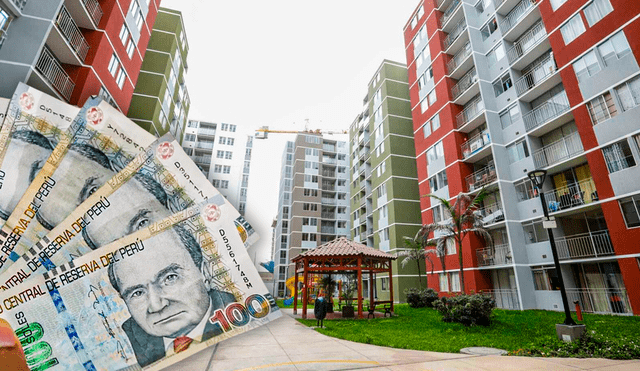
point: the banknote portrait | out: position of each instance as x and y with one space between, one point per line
168 293
27 151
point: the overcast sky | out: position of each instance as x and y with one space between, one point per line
279 62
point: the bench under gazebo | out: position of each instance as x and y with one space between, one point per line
342 256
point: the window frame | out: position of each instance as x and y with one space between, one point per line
569 26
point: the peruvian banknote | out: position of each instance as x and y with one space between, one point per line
146 301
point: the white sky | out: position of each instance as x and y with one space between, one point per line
279 62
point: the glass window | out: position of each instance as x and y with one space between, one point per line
496 54
615 47
510 115
455 281
572 29
631 210
426 129
525 190
518 151
601 108
435 122
545 278
121 77
114 64
502 84
534 232
489 29
425 77
618 156
555 4
444 283
595 11
629 93
586 66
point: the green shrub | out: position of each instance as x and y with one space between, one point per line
417 298
470 310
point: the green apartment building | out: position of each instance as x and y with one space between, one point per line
385 202
160 102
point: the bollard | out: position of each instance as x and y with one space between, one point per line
578 310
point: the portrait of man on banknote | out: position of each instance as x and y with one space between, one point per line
168 292
25 156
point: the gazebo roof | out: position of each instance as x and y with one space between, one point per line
341 246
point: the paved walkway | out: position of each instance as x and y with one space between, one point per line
285 344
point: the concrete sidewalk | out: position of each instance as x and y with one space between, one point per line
285 344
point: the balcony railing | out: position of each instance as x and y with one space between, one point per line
328 201
455 33
328 148
464 83
491 213
526 42
475 144
543 113
449 12
49 67
208 132
501 255
505 298
202 159
330 174
516 14
581 193
609 301
204 145
328 215
585 245
459 57
558 151
471 110
536 75
329 161
94 10
72 33
331 230
482 177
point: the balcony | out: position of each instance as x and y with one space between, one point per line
558 151
205 145
328 148
471 112
54 74
491 214
529 42
460 61
538 79
619 163
450 14
482 177
461 92
544 113
573 195
516 14
505 298
601 300
94 10
328 201
328 215
70 31
472 149
206 132
454 35
330 174
501 255
586 245
328 230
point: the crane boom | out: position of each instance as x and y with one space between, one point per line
263 132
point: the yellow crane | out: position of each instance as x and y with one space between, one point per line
264 131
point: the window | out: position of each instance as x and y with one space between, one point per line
228 155
629 93
381 169
220 154
190 137
425 77
489 29
224 184
114 65
510 115
595 11
383 234
545 278
124 34
308 237
230 141
601 108
310 221
131 46
310 192
424 55
631 210
380 149
222 140
586 66
382 190
555 4
311 165
226 169
309 207
224 127
232 128
384 284
217 169
438 181
384 212
377 116
518 151
534 232
435 152
444 282
618 156
121 77
420 35
615 47
431 125
525 190
496 54
429 100
377 98
455 281
311 178
502 84
572 29
451 247
136 12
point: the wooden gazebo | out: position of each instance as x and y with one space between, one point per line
342 255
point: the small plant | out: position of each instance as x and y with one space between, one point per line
470 310
417 298
348 292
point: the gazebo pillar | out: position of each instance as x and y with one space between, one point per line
391 284
371 281
295 289
305 293
360 287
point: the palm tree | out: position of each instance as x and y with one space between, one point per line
465 218
415 251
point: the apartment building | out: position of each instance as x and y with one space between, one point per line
160 101
223 152
313 203
518 85
72 49
385 205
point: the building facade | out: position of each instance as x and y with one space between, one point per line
313 204
385 204
72 49
223 152
160 101
518 85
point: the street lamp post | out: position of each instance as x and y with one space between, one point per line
537 178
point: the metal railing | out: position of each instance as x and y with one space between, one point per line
328 148
209 132
505 298
202 159
584 245
94 10
526 42
455 33
49 67
328 201
329 161
328 215
481 177
464 83
558 151
476 143
471 110
536 75
501 255
446 15
459 57
71 32
576 194
331 230
543 113
516 14
205 145
330 174
491 213
601 300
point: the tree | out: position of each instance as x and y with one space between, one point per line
465 218
415 251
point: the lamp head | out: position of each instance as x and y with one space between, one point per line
537 177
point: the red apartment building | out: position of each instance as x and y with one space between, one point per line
502 87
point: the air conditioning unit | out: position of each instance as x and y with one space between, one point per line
476 145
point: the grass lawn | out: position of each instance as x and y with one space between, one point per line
423 329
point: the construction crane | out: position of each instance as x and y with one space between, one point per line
264 131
